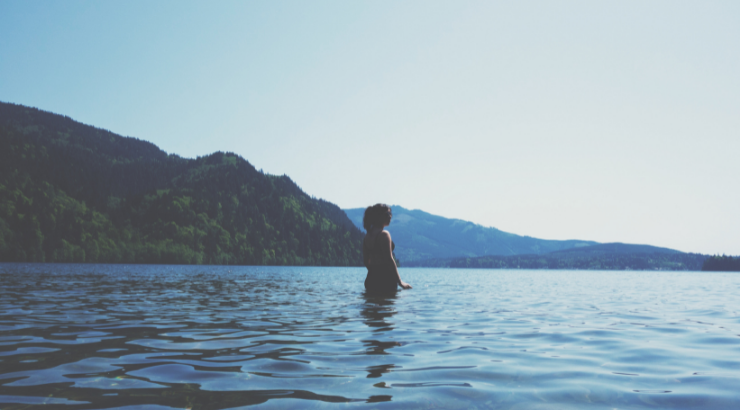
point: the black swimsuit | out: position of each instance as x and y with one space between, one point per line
381 277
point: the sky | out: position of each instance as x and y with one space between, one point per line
613 121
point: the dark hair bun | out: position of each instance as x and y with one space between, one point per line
376 215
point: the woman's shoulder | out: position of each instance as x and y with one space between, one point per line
371 237
384 236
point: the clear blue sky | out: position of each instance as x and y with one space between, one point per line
609 121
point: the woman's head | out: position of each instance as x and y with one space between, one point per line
377 216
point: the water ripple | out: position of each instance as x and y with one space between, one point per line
165 337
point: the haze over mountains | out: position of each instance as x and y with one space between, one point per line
70 192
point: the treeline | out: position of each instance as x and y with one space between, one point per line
74 193
574 261
722 263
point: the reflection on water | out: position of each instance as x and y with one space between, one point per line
377 312
126 336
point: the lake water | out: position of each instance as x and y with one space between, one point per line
204 337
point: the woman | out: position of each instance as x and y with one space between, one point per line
377 251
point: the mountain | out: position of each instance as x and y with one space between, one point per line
70 192
420 235
608 256
426 240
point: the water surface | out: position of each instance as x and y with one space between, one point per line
160 337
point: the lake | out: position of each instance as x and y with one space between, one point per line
217 337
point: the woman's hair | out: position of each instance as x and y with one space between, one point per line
376 215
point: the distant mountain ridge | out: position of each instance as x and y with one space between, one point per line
420 236
70 192
426 240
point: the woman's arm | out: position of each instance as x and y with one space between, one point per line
387 247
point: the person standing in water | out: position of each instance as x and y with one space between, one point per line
377 251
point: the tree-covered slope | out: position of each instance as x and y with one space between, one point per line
610 256
723 263
615 248
70 192
420 235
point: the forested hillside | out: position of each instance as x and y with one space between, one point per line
70 192
420 235
722 263
610 256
